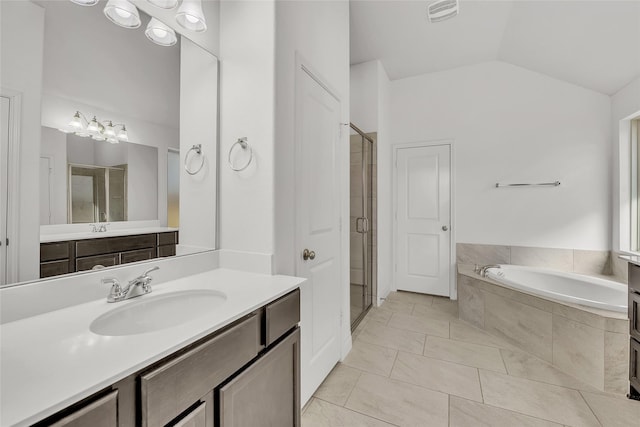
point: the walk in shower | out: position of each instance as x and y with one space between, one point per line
362 223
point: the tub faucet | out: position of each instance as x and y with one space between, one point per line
483 270
136 287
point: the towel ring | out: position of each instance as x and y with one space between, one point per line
198 149
242 142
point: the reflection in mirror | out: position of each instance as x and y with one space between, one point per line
88 78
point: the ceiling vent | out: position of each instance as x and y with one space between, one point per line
442 10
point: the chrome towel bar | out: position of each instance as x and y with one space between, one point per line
542 184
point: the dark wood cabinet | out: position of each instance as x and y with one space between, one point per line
634 331
269 387
227 379
97 412
58 258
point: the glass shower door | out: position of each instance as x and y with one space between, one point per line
360 226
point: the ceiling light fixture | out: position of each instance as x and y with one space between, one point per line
442 10
122 13
190 16
164 4
160 34
99 130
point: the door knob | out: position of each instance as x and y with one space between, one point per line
445 228
307 254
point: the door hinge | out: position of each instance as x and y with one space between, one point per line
6 242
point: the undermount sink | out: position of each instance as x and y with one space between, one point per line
152 313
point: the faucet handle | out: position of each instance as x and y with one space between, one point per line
146 273
115 294
94 228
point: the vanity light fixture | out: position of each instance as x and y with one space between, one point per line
94 128
122 13
85 2
160 34
164 4
190 16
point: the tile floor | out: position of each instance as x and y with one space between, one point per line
414 363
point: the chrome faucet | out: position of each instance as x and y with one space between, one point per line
483 270
136 287
101 228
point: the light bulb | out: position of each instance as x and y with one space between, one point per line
159 32
123 13
191 19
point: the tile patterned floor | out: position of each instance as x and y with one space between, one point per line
414 363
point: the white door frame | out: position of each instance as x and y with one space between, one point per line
453 289
13 183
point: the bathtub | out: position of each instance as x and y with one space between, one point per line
566 287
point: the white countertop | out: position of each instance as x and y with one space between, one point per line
63 237
52 360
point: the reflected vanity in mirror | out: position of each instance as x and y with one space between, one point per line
117 110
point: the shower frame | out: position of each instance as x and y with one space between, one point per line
364 224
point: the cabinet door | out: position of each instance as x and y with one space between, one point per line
267 393
88 263
134 256
101 413
196 418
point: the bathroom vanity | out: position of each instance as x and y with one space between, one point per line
85 251
234 364
634 327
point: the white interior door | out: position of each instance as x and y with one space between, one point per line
317 228
423 212
4 189
45 190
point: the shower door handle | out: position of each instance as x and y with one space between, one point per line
362 225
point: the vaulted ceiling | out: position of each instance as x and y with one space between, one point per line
591 43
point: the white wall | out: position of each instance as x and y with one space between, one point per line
317 31
369 105
624 105
54 146
364 90
513 125
198 125
142 183
247 51
21 44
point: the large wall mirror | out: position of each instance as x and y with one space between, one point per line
120 108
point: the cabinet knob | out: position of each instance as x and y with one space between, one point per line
307 254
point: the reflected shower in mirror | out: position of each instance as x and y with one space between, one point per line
103 182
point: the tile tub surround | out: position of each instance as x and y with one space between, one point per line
588 344
596 263
464 377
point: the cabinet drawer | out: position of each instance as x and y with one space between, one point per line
166 250
174 386
634 277
54 268
634 364
139 255
267 393
54 251
281 315
87 263
101 413
114 244
634 315
170 238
